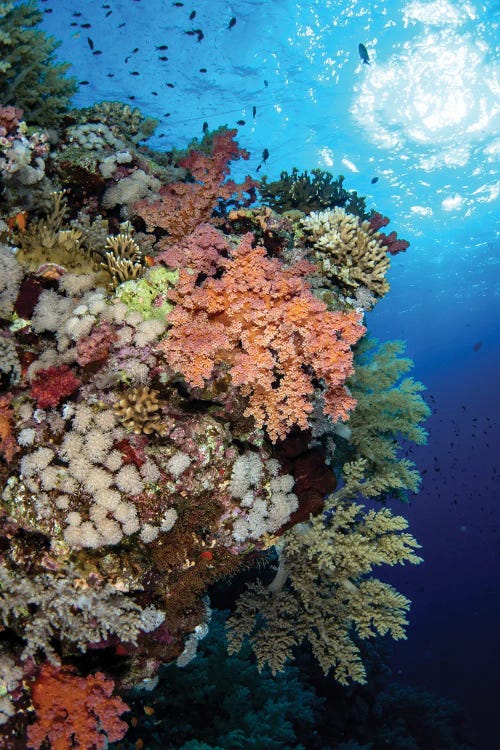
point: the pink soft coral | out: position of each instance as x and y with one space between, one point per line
262 320
75 712
184 205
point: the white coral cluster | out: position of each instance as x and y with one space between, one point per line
131 189
266 497
11 676
22 157
86 465
11 274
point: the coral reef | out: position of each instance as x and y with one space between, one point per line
178 400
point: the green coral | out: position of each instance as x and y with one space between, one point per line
323 591
30 77
314 192
148 294
389 409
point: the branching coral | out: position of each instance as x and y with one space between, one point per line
184 205
347 251
389 409
72 711
263 321
138 411
331 597
303 192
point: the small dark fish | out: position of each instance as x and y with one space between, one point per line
127 59
136 49
240 122
167 114
374 180
76 14
203 70
477 346
266 84
162 47
170 85
105 6
205 127
110 75
48 10
199 34
97 52
265 155
132 98
162 135
254 111
192 15
163 58
90 42
84 83
108 14
121 25
134 73
231 23
363 53
258 168
86 25
74 23
177 5
154 93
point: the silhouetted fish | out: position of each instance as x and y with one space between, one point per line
477 346
231 23
363 53
90 42
374 180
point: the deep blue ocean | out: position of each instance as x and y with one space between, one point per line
423 117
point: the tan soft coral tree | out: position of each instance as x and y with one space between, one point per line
324 591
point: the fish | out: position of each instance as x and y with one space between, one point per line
162 47
134 73
108 13
136 49
203 70
374 180
163 58
265 155
266 83
17 221
254 111
121 25
200 34
240 122
85 25
192 15
170 85
205 127
97 52
90 42
231 23
477 346
84 83
363 53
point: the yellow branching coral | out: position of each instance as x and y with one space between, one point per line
348 251
122 259
138 410
323 591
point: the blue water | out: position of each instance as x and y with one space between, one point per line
423 117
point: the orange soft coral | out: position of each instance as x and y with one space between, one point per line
262 320
75 712
184 205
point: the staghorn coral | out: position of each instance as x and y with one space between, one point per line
331 598
389 409
264 322
122 259
138 411
347 251
73 711
30 77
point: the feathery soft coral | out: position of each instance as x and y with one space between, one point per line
184 205
76 712
262 320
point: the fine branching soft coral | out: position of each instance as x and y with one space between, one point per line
262 321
